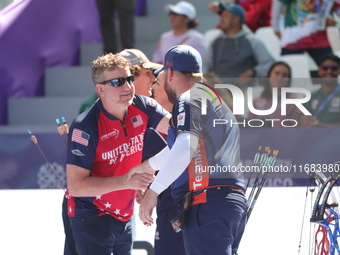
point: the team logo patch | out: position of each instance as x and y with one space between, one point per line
137 121
80 137
114 133
77 153
315 104
335 102
181 119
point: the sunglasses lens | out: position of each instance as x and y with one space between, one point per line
121 82
332 68
118 82
130 79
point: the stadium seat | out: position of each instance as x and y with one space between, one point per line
334 38
298 63
300 71
69 81
210 35
28 111
270 40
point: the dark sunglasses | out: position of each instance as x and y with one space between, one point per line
333 68
118 82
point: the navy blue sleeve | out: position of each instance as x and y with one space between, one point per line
83 140
154 142
151 108
187 115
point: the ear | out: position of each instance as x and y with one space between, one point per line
171 74
99 89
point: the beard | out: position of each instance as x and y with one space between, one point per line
170 92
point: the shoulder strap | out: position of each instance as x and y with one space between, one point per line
328 98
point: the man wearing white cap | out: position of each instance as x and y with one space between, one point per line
183 22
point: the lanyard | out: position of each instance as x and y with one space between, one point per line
323 104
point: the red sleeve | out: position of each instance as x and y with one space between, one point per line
255 11
336 5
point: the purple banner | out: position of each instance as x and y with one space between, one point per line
38 34
23 167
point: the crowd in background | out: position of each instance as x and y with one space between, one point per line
233 54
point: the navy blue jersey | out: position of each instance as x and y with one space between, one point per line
108 147
217 158
154 142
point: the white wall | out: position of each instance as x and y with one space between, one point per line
30 223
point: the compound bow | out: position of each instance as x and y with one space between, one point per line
325 214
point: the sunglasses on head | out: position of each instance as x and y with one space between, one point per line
333 68
118 82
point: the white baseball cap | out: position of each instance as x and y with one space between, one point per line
182 8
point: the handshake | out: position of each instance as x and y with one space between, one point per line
140 176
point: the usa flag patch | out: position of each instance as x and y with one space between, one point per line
137 121
80 136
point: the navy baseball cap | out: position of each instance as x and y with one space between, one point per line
235 9
182 58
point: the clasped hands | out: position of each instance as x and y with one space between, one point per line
144 175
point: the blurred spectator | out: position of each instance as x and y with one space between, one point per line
236 53
125 11
304 26
183 22
257 12
279 76
324 104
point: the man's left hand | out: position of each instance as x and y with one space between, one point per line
146 207
140 195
